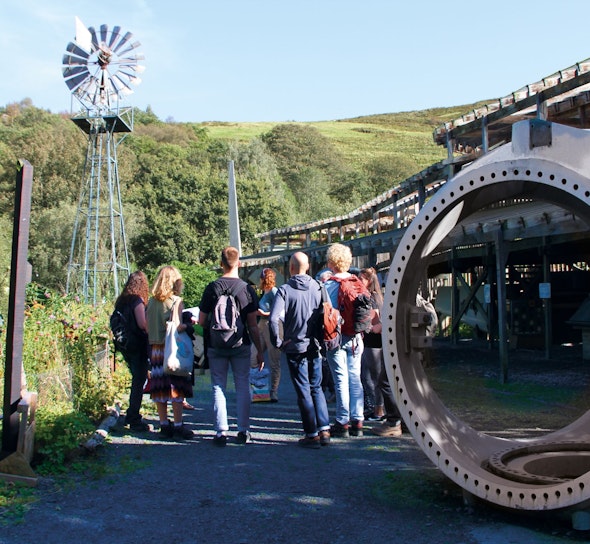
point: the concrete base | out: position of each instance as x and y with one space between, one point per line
16 468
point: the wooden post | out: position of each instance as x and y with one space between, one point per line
19 277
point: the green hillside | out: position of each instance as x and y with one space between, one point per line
174 177
363 139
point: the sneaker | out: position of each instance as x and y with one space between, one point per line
220 440
324 438
388 428
339 430
140 427
356 428
167 431
244 437
310 442
183 432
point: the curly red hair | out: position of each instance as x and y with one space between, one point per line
268 279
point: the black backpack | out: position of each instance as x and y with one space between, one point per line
121 328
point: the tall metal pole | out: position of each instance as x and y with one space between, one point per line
234 218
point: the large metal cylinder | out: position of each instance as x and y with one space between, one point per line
546 163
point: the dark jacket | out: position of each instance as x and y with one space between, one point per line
297 304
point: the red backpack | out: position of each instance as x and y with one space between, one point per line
331 323
354 303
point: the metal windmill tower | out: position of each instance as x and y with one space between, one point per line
99 68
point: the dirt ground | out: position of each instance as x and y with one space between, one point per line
359 490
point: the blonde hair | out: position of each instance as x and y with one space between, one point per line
339 257
168 282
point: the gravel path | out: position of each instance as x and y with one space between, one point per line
357 490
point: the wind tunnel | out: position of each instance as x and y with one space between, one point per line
545 163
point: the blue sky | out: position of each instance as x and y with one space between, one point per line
299 60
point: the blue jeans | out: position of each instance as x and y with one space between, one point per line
306 374
345 364
220 361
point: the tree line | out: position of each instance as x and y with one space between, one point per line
174 186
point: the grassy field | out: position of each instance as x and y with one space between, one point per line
363 139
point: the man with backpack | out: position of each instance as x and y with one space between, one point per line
227 313
297 304
349 295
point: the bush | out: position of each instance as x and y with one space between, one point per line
66 355
60 431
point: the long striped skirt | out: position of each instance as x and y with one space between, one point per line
163 387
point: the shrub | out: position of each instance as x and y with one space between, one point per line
66 353
60 431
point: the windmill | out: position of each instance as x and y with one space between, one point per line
99 68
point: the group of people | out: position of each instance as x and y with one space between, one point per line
298 307
284 322
145 349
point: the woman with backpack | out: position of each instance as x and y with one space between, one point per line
131 305
345 360
165 388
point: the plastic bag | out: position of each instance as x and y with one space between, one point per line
179 354
260 385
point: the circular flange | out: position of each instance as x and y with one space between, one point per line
458 450
542 463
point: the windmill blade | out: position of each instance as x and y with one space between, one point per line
119 89
123 41
130 61
119 79
132 70
76 81
94 38
75 50
130 77
133 46
70 60
104 30
71 71
114 36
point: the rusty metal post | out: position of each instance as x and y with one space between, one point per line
19 277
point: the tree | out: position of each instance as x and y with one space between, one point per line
300 151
